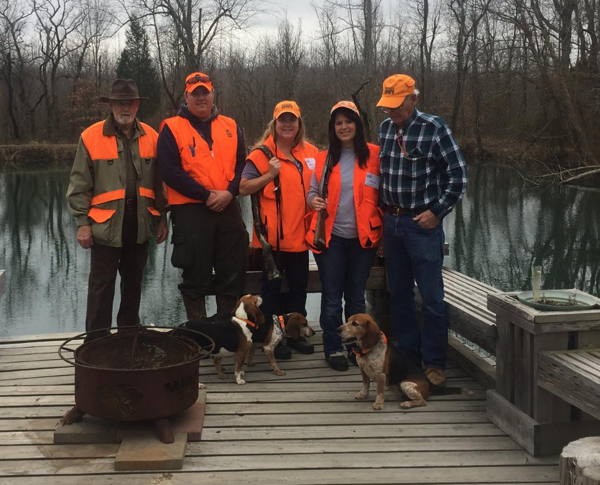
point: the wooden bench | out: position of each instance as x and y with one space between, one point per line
466 305
574 376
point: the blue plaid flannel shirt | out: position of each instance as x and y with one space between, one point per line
433 172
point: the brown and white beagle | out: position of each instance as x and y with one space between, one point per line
232 334
292 325
386 365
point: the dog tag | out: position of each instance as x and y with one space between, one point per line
372 180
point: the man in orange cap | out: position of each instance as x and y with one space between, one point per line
423 176
116 195
201 156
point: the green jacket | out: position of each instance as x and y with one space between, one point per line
96 193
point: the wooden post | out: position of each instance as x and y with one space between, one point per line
2 283
579 462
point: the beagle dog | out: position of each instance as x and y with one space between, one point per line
232 335
292 325
379 361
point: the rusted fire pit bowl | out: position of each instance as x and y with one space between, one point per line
136 374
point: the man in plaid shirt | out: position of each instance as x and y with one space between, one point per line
423 175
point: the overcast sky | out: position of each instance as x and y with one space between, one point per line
296 10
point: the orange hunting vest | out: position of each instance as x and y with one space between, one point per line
294 188
213 169
102 147
369 217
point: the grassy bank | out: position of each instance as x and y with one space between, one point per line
34 156
531 160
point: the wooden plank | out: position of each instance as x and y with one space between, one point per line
569 381
510 419
523 393
472 362
2 282
505 359
42 338
333 432
472 328
467 279
29 418
289 462
546 406
279 447
334 419
541 474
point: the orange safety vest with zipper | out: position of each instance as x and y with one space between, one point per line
369 217
290 222
213 167
104 148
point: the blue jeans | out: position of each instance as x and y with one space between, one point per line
344 268
413 254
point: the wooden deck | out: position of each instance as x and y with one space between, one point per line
301 428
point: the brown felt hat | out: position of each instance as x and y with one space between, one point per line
123 90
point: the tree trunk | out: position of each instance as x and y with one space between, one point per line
579 462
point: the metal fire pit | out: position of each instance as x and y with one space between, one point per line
136 374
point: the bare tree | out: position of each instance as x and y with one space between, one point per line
57 22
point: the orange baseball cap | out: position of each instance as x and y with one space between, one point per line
345 104
286 107
395 89
196 79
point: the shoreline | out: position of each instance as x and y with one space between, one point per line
529 160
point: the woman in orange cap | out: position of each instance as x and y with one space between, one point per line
280 168
353 227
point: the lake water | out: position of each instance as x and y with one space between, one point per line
496 233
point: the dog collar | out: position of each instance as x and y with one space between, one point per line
362 352
247 322
281 322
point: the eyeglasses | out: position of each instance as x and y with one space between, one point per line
198 79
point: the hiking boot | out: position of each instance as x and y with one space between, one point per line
337 361
301 345
195 309
436 376
282 352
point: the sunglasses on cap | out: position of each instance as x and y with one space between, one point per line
198 79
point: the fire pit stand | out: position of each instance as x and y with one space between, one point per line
136 374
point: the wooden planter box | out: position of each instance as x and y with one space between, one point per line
538 420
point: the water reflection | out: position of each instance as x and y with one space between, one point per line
495 235
501 228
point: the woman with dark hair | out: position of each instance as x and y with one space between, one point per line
353 227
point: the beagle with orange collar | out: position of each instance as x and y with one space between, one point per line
292 325
385 364
232 335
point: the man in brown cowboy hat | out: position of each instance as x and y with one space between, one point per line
116 195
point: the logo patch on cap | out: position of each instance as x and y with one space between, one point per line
389 91
286 106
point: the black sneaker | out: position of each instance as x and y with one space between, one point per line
337 361
282 352
301 345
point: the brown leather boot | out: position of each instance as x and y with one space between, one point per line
226 303
436 376
195 309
